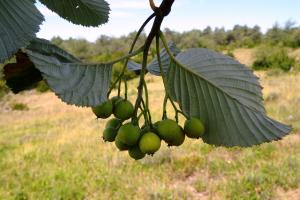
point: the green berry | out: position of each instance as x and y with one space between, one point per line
123 110
114 123
129 134
170 132
116 99
136 153
120 145
109 134
194 128
149 143
104 110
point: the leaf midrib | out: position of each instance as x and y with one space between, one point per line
211 83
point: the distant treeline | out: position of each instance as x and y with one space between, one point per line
271 48
105 47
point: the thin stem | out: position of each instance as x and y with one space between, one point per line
164 41
131 50
140 87
147 102
163 10
123 70
164 116
177 111
160 64
129 55
126 88
145 113
140 115
119 90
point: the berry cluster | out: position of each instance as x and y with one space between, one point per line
128 136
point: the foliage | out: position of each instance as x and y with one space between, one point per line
229 94
225 98
267 57
18 28
3 87
42 87
19 106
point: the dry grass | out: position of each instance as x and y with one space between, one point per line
245 56
54 151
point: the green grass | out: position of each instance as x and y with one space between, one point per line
54 151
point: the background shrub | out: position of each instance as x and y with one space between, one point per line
273 57
42 87
3 88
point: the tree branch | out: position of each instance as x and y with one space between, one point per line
161 12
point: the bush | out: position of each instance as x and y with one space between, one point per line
19 106
273 57
3 88
42 87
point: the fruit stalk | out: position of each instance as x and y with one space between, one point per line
130 51
167 97
160 13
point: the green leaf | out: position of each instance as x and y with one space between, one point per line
45 47
82 12
19 21
133 66
75 83
153 67
225 95
23 74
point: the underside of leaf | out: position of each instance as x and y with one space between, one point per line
75 83
19 21
82 12
225 95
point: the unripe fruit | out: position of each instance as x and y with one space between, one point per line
129 134
116 99
121 146
194 128
104 110
136 153
179 139
123 110
170 132
109 134
114 123
149 143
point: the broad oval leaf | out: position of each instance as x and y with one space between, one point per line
82 12
75 83
225 95
19 21
45 47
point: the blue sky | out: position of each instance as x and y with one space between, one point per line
127 15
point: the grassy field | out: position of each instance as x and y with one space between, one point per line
53 151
